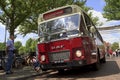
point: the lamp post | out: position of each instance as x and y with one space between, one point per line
119 44
6 28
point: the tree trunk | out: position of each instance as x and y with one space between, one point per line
12 26
12 30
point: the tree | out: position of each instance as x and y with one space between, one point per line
16 11
94 19
28 45
2 46
22 50
17 45
33 45
115 46
112 9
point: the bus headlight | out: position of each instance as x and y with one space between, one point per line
42 57
78 53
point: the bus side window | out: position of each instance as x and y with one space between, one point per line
88 24
82 26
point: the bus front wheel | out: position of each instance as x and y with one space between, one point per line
103 60
60 71
96 66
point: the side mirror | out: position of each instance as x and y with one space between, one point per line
38 39
92 29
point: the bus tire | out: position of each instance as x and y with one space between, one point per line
44 69
96 66
60 71
103 60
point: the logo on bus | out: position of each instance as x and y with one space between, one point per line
57 47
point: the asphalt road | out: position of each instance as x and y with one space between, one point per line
108 71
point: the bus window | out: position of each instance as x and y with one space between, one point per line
55 28
88 23
82 26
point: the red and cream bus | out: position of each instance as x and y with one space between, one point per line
68 39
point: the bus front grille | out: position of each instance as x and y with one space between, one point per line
59 56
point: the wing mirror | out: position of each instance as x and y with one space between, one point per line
92 29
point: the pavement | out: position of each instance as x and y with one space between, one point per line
19 74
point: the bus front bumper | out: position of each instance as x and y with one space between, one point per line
63 65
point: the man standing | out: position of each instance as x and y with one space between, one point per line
10 53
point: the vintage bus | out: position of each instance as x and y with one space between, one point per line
68 39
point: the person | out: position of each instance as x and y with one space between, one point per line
63 35
32 60
110 53
116 53
36 64
10 53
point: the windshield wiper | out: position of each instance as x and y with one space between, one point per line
58 30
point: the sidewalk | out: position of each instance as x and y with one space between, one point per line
19 74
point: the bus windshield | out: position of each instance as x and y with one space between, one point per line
54 29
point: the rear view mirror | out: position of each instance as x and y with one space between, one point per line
92 29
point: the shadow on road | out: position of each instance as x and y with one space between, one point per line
21 74
18 73
109 68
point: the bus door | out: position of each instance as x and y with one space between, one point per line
85 40
91 36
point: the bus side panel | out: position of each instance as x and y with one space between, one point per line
90 47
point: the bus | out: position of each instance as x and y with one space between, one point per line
68 39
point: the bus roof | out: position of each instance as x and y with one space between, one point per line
74 8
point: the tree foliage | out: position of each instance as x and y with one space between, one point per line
33 45
115 46
112 9
17 45
30 46
94 19
22 50
2 46
17 11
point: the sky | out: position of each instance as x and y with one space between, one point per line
109 36
97 5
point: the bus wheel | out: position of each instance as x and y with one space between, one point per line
43 69
103 60
96 66
61 71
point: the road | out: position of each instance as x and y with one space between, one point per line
108 71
